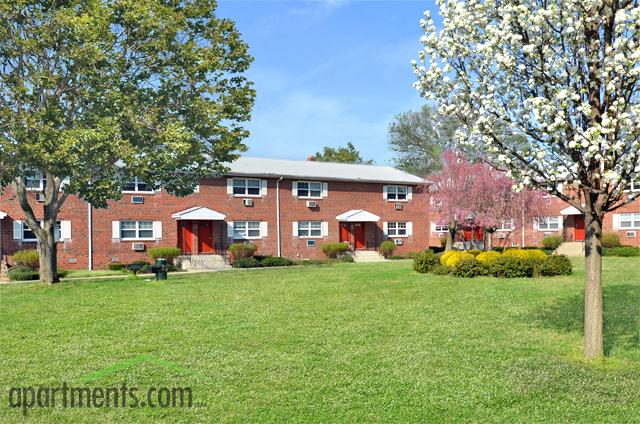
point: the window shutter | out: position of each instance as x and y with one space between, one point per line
385 190
409 192
229 185
560 222
385 227
616 221
325 229
294 189
535 223
230 229
263 228
65 230
17 230
325 189
295 229
157 230
409 228
263 190
433 227
115 230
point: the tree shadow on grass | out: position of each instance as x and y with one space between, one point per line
621 316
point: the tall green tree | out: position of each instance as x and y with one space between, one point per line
346 154
418 139
93 93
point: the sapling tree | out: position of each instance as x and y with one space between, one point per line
562 77
95 93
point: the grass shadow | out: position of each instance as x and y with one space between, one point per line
621 316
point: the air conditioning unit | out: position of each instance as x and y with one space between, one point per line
40 197
311 243
398 206
398 242
502 236
137 199
247 202
312 204
138 247
631 233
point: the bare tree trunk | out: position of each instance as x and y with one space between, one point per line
593 304
453 229
488 239
48 255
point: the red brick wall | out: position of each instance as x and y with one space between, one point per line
159 206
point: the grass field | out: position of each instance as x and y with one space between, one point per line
347 343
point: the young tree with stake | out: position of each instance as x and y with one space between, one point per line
95 93
563 76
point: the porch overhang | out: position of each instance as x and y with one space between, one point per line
571 210
199 213
357 215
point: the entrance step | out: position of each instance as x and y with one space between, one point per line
201 262
367 256
571 248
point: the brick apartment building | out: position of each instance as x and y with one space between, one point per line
561 219
287 208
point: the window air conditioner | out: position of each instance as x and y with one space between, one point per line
631 233
247 202
40 197
137 199
312 204
502 236
138 247
398 242
398 206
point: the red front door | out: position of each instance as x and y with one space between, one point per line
358 235
205 237
579 228
353 233
186 236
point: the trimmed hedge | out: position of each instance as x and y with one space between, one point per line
22 273
242 250
453 259
425 261
488 257
468 268
387 248
28 258
331 250
556 265
552 242
512 267
270 261
622 251
246 263
116 266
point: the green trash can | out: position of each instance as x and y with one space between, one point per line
162 267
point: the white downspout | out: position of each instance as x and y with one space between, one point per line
90 235
278 215
522 230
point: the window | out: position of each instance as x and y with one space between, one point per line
246 187
29 235
309 229
35 181
246 229
397 193
136 230
436 202
137 186
397 229
633 186
629 220
548 223
309 189
441 228
507 225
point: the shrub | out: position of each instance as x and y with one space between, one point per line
555 265
623 251
498 249
116 266
144 265
516 253
22 273
474 252
168 253
439 269
28 258
62 273
535 254
406 255
242 250
453 260
246 263
488 257
331 250
446 255
275 261
611 239
552 242
425 261
345 258
468 268
387 247
511 267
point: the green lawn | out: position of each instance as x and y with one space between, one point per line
347 342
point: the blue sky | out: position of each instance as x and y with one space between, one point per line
328 72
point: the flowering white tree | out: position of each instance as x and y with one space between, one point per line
562 77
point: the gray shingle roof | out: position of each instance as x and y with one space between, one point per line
264 167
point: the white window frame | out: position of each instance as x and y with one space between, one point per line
37 175
137 230
305 229
438 228
546 220
397 229
25 228
308 189
136 183
503 225
632 187
243 233
392 190
633 218
246 187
